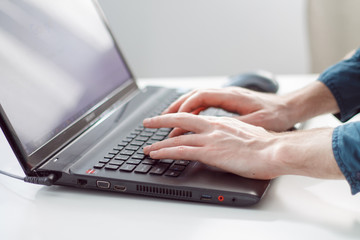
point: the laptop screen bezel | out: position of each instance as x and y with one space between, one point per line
30 162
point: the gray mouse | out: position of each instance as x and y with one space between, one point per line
261 81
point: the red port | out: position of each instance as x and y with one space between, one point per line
221 198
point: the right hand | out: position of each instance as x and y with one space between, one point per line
244 149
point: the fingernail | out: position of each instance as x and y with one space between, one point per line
146 120
147 149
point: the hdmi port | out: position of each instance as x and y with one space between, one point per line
120 188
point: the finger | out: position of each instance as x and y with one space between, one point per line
204 99
177 132
174 107
186 121
183 140
179 153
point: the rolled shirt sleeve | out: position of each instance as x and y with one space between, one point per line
343 80
346 149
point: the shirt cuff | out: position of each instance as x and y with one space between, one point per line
345 144
343 80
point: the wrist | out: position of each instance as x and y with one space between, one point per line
311 101
307 153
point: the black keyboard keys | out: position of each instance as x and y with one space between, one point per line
111 167
159 169
171 173
127 167
142 168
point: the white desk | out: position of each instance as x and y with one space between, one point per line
293 208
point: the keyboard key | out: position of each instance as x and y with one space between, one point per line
139 128
158 138
137 143
118 148
165 130
109 156
159 169
116 162
122 157
143 168
99 165
139 156
151 142
114 152
127 168
177 167
105 160
151 130
127 152
132 147
150 161
127 140
122 144
142 139
130 136
168 161
171 173
111 167
162 133
182 162
133 161
146 134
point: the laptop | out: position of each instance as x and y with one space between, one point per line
72 111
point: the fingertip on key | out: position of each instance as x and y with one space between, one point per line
146 121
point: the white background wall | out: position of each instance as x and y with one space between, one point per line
167 38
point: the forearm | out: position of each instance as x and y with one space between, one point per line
309 102
307 153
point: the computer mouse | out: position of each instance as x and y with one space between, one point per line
261 81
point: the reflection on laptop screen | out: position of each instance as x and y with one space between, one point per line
57 60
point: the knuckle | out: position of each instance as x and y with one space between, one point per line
216 135
180 116
181 149
176 141
217 123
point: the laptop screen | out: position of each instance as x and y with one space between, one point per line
57 60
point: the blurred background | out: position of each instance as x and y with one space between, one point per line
179 38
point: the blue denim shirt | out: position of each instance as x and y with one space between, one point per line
343 80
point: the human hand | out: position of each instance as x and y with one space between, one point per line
260 109
273 112
222 142
244 149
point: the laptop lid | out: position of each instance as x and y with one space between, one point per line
60 71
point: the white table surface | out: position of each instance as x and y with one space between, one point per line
294 207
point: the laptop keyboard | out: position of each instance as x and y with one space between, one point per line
128 156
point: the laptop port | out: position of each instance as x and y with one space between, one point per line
205 197
81 182
120 188
102 184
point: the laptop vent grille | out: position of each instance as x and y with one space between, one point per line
164 191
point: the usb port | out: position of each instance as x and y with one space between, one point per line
205 197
